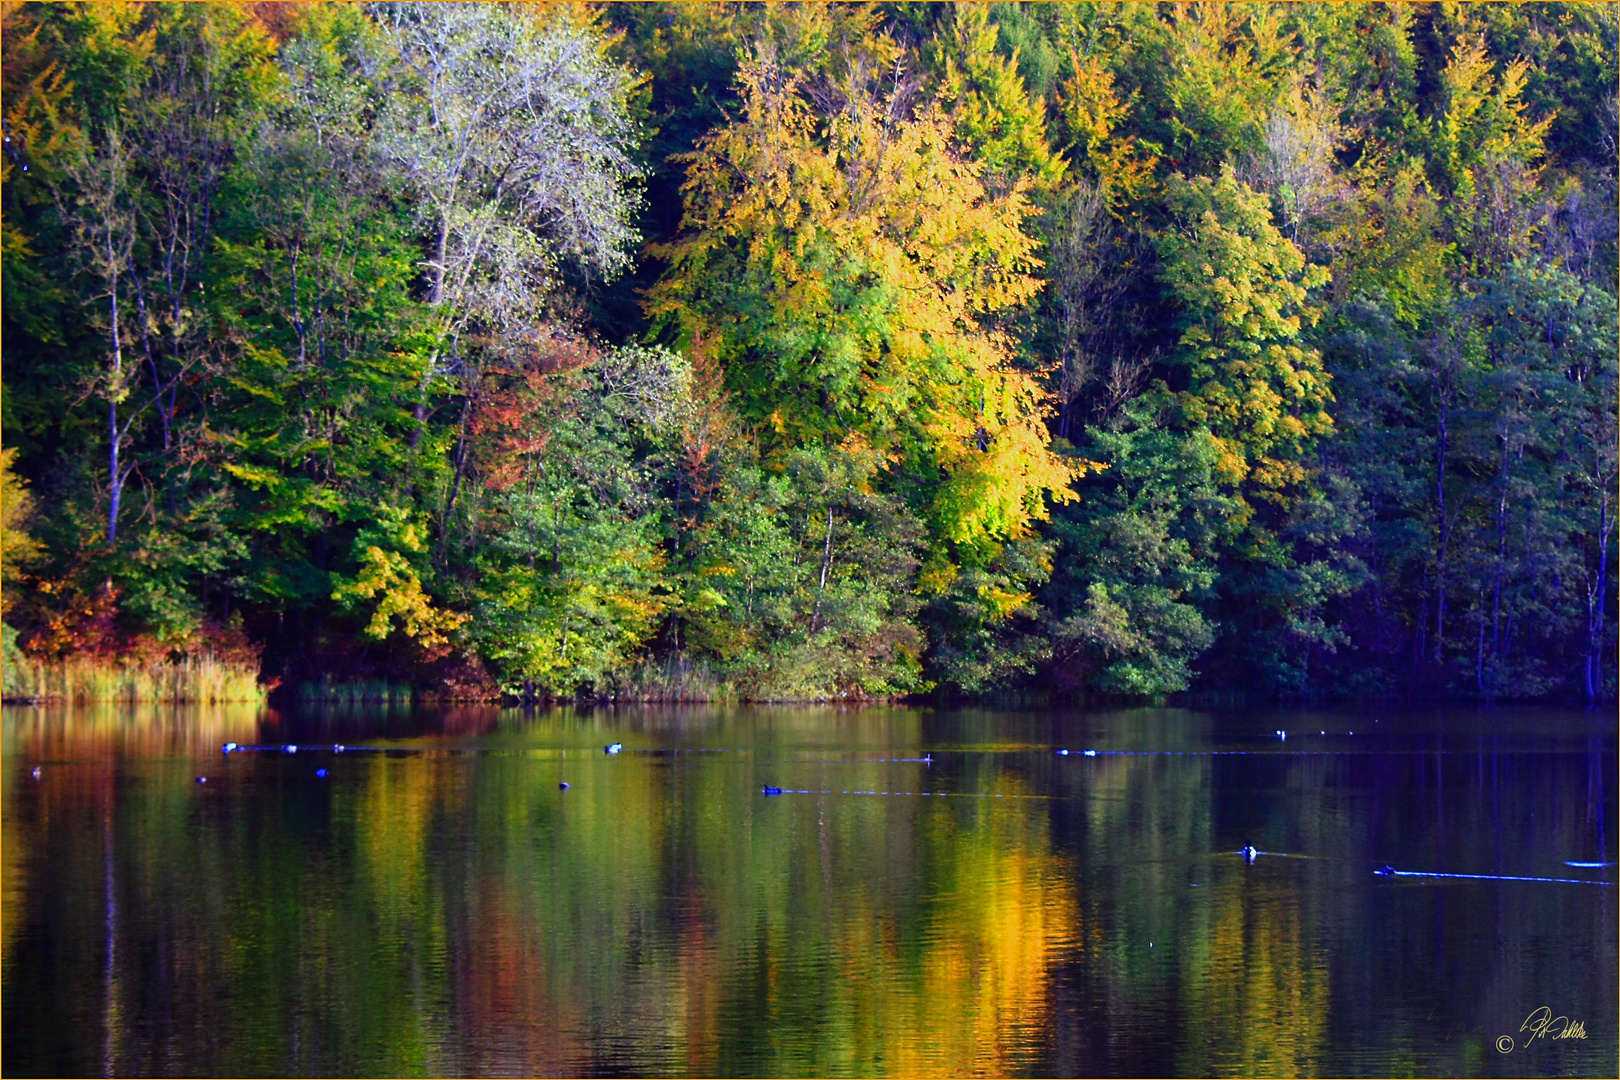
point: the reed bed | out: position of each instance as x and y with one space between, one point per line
202 680
675 680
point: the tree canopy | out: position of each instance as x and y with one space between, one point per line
816 350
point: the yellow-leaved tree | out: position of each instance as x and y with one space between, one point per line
389 551
17 548
841 260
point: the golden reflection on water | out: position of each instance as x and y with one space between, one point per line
451 910
978 999
95 734
896 936
1260 1007
549 890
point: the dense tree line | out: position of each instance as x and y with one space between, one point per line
806 350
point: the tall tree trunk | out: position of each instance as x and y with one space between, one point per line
826 563
145 322
1445 533
117 493
1067 404
436 274
556 537
1597 602
455 482
297 308
1501 563
114 435
1421 651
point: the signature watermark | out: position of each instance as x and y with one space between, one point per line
1542 1024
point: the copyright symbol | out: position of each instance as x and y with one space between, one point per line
1505 1044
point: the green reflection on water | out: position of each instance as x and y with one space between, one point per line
447 909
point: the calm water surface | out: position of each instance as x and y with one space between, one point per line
437 904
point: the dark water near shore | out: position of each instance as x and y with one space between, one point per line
437 905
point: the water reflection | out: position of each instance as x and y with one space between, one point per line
441 906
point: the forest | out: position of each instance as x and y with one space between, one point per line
730 351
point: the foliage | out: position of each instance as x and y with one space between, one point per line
1241 289
571 581
384 552
971 348
839 281
17 547
803 581
995 120
1145 543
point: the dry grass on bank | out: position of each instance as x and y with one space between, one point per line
199 680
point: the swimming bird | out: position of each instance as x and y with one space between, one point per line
1249 853
320 774
227 748
768 790
290 748
1385 871
613 748
564 786
35 773
202 779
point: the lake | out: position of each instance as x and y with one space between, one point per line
934 891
